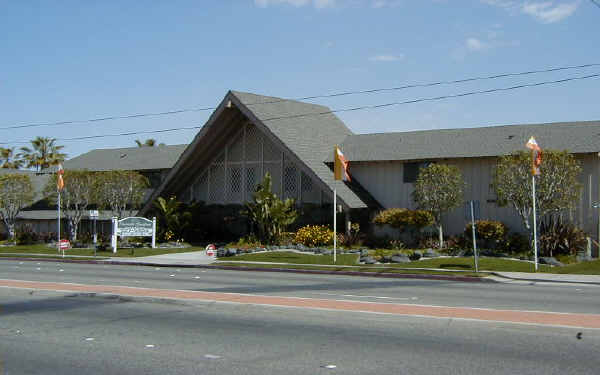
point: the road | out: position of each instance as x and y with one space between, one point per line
44 332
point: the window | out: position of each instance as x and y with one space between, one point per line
411 171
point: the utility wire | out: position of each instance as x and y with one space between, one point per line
596 3
436 98
333 95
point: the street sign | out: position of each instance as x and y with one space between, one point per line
94 214
135 227
64 244
210 250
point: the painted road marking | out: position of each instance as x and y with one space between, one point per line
212 356
362 296
428 311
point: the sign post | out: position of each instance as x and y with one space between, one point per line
535 249
113 242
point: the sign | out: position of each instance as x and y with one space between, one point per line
135 227
94 214
210 250
64 244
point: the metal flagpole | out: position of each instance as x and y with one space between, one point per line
474 239
334 220
58 234
535 249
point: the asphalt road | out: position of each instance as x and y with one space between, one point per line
53 333
515 296
66 333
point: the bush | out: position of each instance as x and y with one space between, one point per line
401 217
516 243
353 238
488 230
314 235
26 236
557 238
245 243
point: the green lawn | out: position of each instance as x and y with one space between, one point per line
142 252
464 263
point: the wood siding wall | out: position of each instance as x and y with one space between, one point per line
384 180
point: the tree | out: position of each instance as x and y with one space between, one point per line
268 214
43 154
147 143
556 188
439 189
8 158
16 193
80 191
121 191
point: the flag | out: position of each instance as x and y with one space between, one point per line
60 183
536 156
340 165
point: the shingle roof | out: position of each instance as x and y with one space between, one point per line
576 137
38 180
311 138
128 159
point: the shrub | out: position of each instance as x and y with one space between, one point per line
245 243
557 237
401 217
489 230
353 238
314 235
26 235
516 243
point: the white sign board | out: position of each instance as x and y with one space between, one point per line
135 227
94 213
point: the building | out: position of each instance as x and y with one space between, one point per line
249 135
152 162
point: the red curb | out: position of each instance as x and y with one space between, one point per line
510 316
258 269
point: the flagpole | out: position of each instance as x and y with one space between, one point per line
535 249
58 234
334 220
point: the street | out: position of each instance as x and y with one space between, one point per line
62 332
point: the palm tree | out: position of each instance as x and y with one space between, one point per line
147 143
8 158
43 154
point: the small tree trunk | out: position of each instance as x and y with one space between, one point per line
441 236
73 229
11 232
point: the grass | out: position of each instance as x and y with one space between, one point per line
44 249
463 263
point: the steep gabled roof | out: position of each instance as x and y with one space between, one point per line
126 159
576 137
308 131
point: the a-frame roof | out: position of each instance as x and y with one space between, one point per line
307 131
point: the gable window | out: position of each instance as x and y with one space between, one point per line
411 171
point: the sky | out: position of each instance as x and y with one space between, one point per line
76 60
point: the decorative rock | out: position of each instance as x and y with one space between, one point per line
364 252
230 252
550 261
221 252
430 253
368 260
400 258
583 258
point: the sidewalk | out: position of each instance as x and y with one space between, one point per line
192 258
547 277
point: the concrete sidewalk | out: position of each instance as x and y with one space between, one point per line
190 258
548 277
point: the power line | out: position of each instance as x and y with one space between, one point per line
333 95
596 3
436 98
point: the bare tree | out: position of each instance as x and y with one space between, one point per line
439 189
556 188
121 191
80 191
16 193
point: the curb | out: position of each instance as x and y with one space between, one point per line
290 270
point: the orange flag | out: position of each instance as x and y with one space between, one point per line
60 183
536 156
340 165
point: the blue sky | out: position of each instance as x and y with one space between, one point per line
64 60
